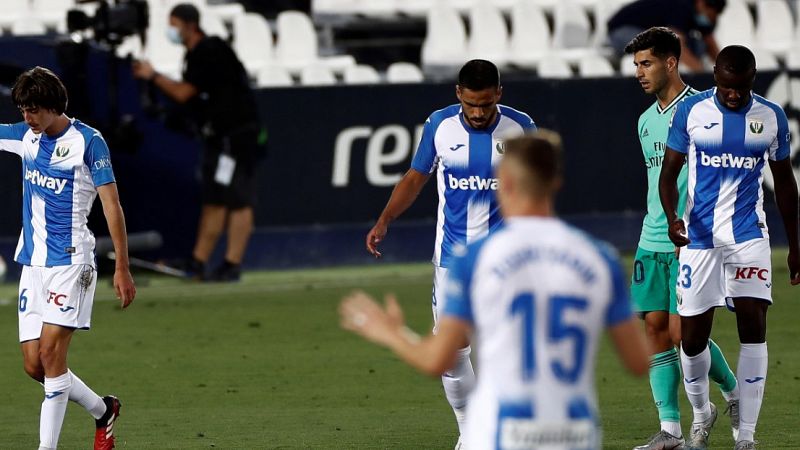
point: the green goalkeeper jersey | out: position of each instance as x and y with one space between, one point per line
653 130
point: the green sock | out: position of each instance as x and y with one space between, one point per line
665 376
721 372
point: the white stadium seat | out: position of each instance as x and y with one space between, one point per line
775 29
297 41
626 67
571 26
252 40
765 60
317 76
415 7
735 25
165 56
446 41
378 7
403 72
553 66
334 7
488 34
212 25
273 76
530 40
361 74
28 26
793 59
595 66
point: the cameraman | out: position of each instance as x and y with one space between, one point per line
215 85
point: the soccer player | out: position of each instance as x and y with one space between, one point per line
461 144
726 135
65 164
536 294
657 54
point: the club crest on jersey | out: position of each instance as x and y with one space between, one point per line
500 147
61 151
756 127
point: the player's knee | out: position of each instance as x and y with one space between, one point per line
691 348
34 370
48 354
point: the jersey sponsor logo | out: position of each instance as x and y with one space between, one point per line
727 160
711 125
456 147
756 127
54 184
473 183
56 298
747 273
102 163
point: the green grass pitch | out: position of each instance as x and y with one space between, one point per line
263 364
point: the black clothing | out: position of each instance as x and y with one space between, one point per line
679 15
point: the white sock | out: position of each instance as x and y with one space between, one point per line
752 373
695 380
458 382
673 428
54 407
81 394
732 395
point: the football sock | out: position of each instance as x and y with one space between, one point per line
695 381
458 383
54 407
665 374
84 396
752 370
721 373
673 428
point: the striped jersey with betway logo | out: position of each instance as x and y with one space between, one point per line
464 159
60 176
653 131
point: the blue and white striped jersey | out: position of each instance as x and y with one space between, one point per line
60 176
538 294
464 159
726 152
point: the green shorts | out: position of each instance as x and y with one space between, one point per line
653 283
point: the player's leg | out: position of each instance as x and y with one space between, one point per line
212 223
751 320
53 346
458 381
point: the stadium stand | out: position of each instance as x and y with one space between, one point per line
488 38
554 66
446 39
735 25
531 39
317 75
404 72
252 41
361 74
775 30
273 76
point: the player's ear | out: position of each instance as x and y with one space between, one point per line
458 92
499 92
672 63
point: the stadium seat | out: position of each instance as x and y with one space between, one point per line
334 7
317 75
793 59
446 41
735 25
462 6
626 67
530 40
380 8
553 66
418 8
403 72
765 60
213 25
53 13
273 76
488 38
228 12
28 26
595 66
297 41
572 31
252 41
775 28
165 56
361 74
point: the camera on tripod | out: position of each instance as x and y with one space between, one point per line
111 22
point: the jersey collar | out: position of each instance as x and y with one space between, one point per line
674 101
743 110
488 130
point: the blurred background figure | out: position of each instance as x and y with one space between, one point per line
692 20
216 88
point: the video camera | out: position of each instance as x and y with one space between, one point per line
112 22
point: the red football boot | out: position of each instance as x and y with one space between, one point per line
104 435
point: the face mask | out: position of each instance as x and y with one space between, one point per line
174 35
702 20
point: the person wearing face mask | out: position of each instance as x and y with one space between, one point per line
216 89
692 20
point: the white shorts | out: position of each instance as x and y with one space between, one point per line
708 278
439 279
59 295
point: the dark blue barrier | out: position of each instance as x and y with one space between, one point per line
336 152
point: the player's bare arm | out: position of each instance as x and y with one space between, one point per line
403 196
179 91
787 200
668 192
631 346
432 355
123 281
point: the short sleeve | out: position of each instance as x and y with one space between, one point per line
98 159
678 138
458 298
11 136
780 148
425 158
619 306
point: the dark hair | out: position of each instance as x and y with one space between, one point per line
187 12
662 41
479 74
717 5
736 59
539 154
40 88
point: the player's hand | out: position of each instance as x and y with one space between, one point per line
794 267
677 233
124 287
374 237
143 70
361 314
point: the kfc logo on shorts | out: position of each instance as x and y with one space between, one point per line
747 273
56 298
